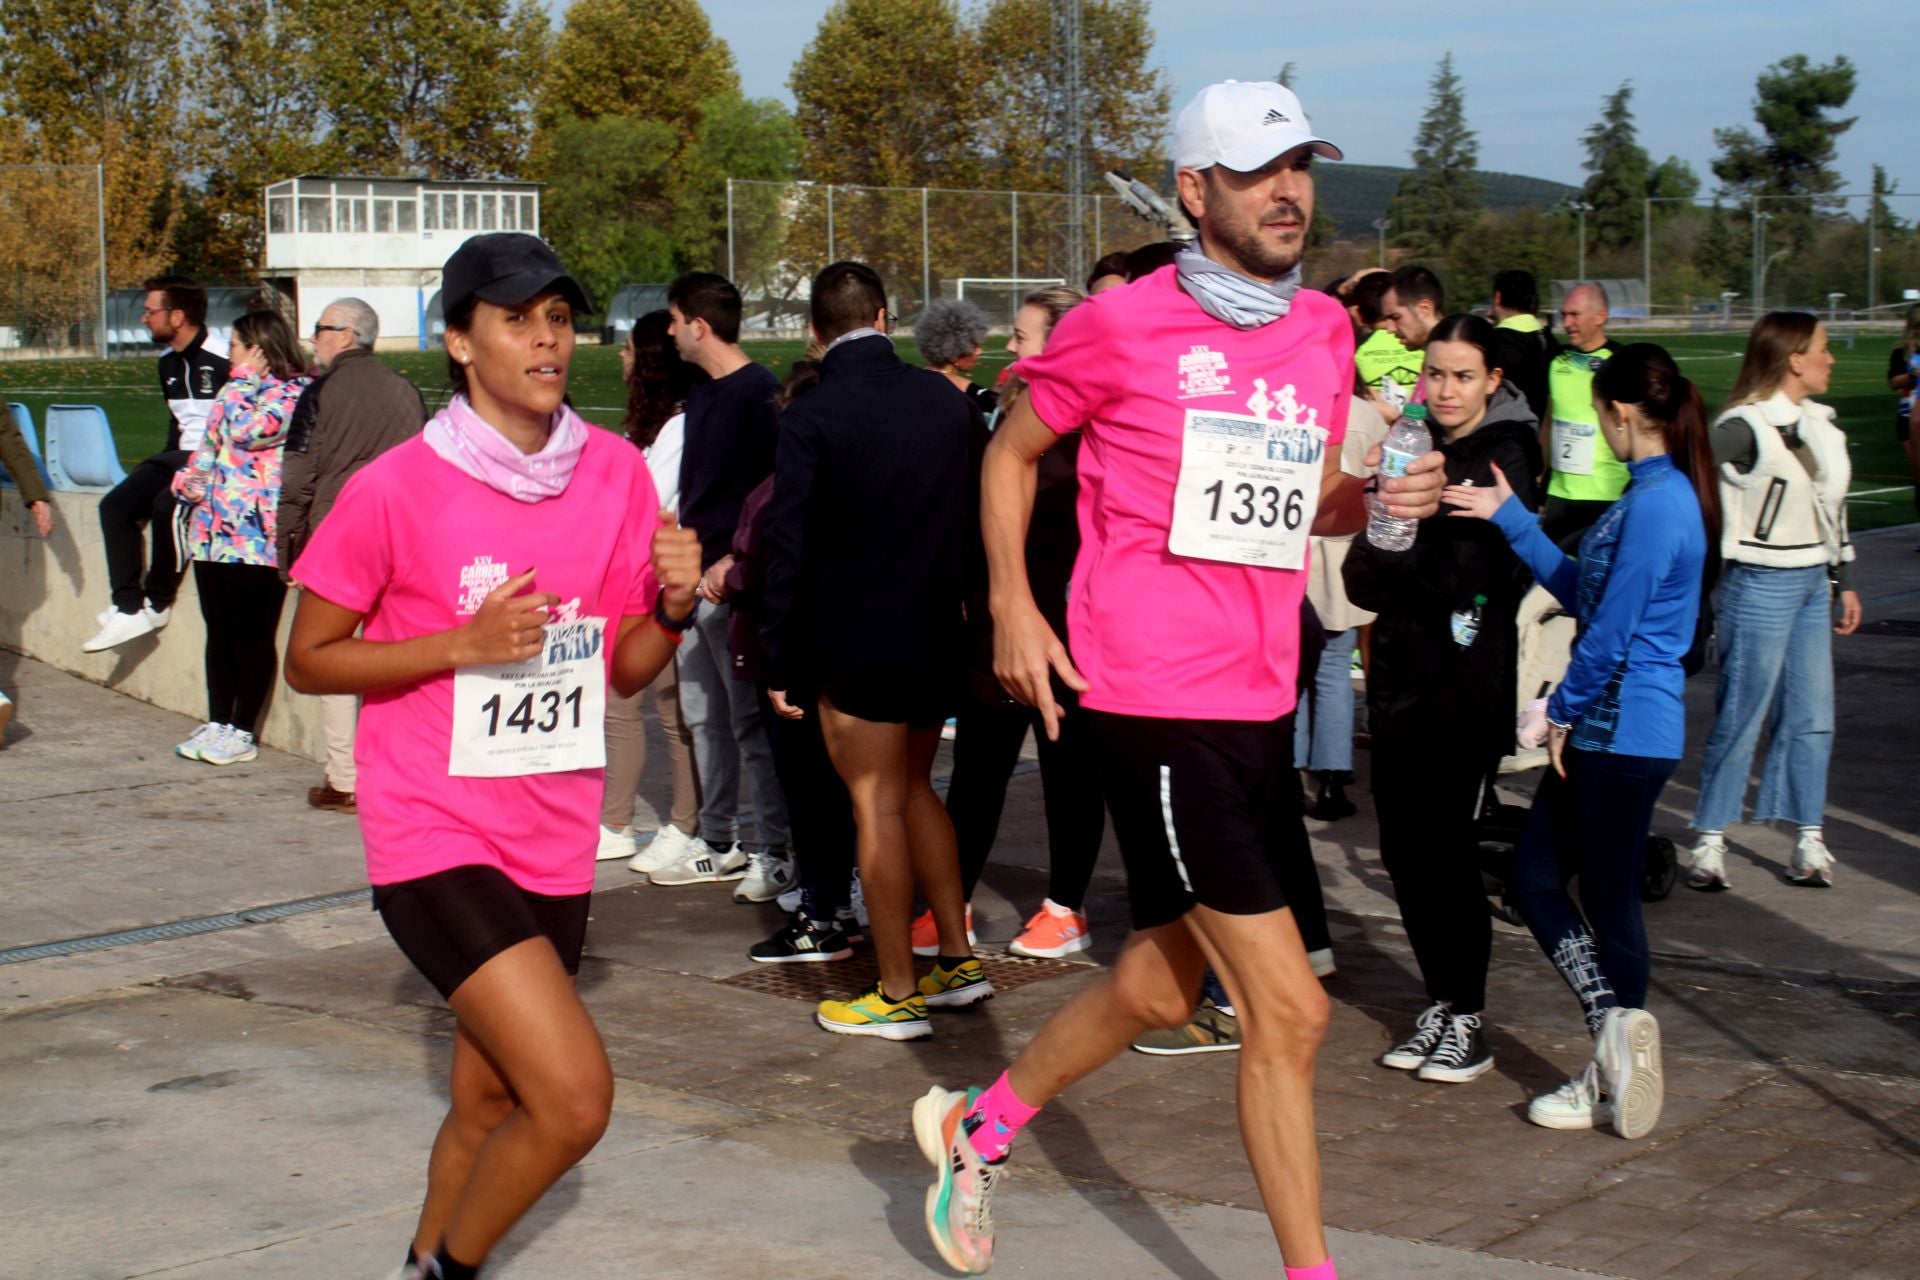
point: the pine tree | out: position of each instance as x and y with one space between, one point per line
1795 157
1440 199
1619 168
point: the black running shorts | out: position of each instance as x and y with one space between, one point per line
1199 808
918 696
452 922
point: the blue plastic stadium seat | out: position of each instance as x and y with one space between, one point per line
24 420
80 453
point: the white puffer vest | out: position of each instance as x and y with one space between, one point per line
1782 514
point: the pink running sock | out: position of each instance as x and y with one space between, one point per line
997 1115
1324 1271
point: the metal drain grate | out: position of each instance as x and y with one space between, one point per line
184 928
847 978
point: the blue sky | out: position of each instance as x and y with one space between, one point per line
1534 73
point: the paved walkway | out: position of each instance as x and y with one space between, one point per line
261 1096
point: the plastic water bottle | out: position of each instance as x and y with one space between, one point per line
195 488
1408 440
1466 622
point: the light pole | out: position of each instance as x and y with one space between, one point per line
1381 225
1760 221
1582 208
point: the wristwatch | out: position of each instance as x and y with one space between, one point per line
675 625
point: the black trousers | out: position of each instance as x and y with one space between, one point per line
241 605
818 807
986 747
144 498
1426 791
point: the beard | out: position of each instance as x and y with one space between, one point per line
1254 252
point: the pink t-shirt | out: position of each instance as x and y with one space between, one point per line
1158 634
416 544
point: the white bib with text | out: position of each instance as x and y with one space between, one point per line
1248 491
544 715
1573 447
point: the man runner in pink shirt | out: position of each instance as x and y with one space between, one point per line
1213 395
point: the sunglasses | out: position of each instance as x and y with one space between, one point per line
331 328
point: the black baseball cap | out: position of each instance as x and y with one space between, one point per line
506 267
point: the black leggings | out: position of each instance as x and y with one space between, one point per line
1592 824
241 605
1427 795
986 746
144 498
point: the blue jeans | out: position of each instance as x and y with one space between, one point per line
1776 666
1323 731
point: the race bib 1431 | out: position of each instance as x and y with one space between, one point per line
544 715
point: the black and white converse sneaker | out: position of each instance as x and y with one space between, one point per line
1411 1054
1462 1053
800 940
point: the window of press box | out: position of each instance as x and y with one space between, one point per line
316 214
279 215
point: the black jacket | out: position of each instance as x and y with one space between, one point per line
1524 359
1419 681
191 382
732 424
864 533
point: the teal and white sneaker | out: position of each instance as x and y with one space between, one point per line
232 746
960 1201
200 739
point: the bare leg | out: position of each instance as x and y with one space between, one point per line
930 838
1283 1013
1154 983
481 1101
531 1032
871 758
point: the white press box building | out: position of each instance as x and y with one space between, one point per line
383 240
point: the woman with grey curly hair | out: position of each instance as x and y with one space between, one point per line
949 334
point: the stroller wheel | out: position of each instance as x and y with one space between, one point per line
1662 870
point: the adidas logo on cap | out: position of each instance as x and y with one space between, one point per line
1276 116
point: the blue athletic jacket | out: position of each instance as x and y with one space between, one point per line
1635 591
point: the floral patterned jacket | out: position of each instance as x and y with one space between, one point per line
246 435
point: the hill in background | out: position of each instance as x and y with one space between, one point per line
1355 194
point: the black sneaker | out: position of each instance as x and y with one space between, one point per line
801 940
1462 1053
1411 1054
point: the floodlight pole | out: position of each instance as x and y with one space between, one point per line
1582 208
1380 225
926 256
730 275
1646 252
1873 255
100 221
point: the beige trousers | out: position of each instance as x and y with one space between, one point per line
627 754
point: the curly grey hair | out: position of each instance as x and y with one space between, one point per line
949 330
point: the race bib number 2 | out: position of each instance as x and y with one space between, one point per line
1573 447
1248 491
544 715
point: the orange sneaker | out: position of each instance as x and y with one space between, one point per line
926 934
1054 931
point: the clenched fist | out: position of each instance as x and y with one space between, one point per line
676 564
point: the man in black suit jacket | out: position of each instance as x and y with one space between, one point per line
861 621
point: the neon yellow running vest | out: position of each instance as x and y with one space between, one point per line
1584 468
1389 366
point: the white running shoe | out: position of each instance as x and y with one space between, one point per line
1574 1105
769 875
118 629
232 746
1628 1053
201 737
703 864
1812 862
790 901
157 618
614 844
669 845
1708 864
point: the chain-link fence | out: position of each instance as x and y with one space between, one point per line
927 243
52 262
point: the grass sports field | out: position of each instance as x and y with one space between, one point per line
128 390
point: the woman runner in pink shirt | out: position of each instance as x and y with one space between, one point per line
509 565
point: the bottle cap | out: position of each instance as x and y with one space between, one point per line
1416 411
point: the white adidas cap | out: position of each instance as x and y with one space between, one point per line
1243 125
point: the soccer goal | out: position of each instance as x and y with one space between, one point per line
998 296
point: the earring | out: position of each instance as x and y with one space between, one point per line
466 359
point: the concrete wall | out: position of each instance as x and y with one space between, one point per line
51 590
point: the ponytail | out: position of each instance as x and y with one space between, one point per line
1644 375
